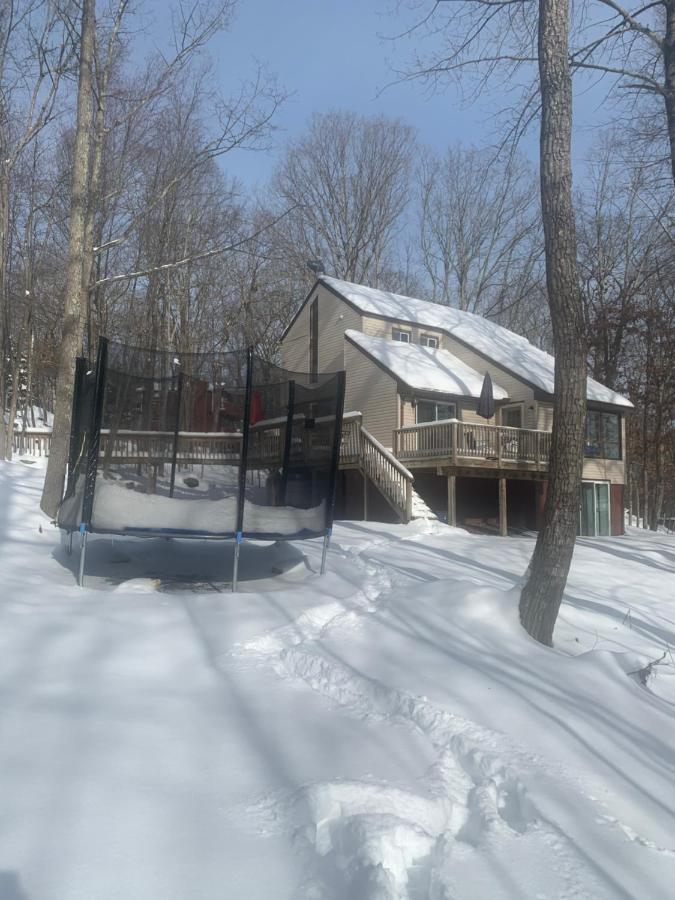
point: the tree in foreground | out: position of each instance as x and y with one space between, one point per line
542 593
72 330
506 36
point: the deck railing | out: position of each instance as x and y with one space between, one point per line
32 441
350 446
465 440
391 477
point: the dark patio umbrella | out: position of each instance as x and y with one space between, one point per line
486 404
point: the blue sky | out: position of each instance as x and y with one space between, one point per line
332 54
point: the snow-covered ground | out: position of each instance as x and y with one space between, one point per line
387 731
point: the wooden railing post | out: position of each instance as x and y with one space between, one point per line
408 500
455 426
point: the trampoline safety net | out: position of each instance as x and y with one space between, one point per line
201 445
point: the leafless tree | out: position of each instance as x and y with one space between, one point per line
35 52
73 318
634 44
480 231
348 176
127 108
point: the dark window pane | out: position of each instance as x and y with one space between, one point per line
603 435
426 411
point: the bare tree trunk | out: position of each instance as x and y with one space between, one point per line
669 78
542 594
71 336
637 505
5 436
16 376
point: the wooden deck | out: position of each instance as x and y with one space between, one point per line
474 449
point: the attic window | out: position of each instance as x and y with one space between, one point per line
403 336
429 340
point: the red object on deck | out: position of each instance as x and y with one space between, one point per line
256 408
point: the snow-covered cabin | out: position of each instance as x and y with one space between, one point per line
415 370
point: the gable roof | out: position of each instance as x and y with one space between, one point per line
423 368
510 351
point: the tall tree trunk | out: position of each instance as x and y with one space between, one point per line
5 436
669 78
16 375
71 335
542 594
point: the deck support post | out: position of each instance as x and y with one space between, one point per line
365 496
452 500
503 522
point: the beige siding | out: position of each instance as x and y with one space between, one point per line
408 415
544 416
371 391
604 470
335 317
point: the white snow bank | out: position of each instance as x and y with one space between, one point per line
512 351
423 368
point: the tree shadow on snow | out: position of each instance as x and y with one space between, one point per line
10 887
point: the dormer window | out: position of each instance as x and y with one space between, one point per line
429 340
405 337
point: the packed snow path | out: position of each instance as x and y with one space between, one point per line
384 732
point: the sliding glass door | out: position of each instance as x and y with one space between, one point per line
594 508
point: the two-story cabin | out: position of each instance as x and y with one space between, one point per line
414 375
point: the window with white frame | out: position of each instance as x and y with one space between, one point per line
429 340
398 334
434 411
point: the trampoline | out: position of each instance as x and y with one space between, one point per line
204 446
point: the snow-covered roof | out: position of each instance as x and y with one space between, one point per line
423 368
509 350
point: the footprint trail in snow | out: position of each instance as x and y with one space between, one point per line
453 838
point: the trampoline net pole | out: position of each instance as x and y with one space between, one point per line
83 554
95 434
235 566
335 455
288 436
243 460
324 552
75 425
176 429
